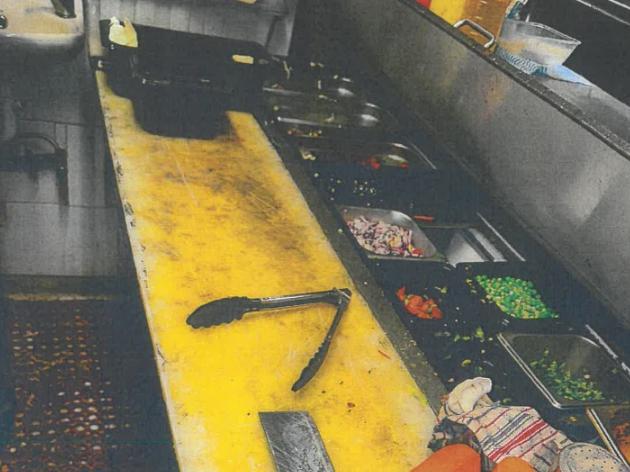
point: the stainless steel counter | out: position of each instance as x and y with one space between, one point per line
596 105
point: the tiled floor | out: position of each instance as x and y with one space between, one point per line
87 392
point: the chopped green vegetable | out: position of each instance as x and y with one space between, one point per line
563 383
479 334
515 297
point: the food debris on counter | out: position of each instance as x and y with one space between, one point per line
307 155
419 306
383 238
361 188
383 354
305 133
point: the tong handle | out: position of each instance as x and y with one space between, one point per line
332 297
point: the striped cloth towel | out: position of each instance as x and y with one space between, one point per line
501 432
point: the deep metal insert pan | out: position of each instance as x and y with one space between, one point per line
580 354
338 151
326 111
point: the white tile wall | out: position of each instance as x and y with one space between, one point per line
62 93
86 167
50 239
39 235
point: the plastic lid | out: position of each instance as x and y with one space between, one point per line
583 457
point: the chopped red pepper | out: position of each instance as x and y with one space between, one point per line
427 218
372 162
416 305
416 251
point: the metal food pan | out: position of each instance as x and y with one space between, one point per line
321 110
613 425
418 238
391 154
331 115
334 85
460 245
581 355
337 85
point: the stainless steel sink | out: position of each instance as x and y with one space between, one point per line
34 29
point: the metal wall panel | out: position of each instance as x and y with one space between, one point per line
563 173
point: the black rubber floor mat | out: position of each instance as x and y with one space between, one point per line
88 396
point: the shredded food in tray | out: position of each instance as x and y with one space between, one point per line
383 238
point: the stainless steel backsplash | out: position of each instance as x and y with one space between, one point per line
564 175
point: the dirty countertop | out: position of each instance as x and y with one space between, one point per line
216 218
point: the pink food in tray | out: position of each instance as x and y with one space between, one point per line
383 239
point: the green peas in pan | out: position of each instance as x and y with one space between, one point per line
515 297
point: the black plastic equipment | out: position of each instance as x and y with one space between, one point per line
181 83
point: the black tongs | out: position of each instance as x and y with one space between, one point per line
230 309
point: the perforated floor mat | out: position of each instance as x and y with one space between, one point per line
88 396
